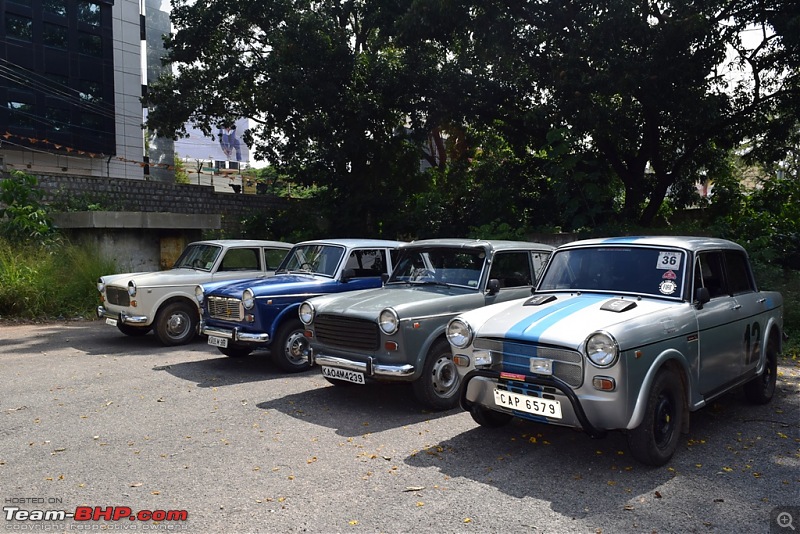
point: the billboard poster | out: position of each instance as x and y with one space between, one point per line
226 145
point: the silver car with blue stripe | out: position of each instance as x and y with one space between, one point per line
628 333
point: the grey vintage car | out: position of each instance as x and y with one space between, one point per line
397 333
628 333
164 301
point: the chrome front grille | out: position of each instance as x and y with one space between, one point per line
225 308
346 332
118 296
516 357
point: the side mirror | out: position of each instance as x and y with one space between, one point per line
347 274
492 286
701 296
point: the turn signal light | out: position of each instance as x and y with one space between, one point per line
391 346
604 383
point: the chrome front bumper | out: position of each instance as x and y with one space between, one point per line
103 313
369 368
234 334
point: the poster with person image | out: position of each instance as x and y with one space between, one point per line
224 144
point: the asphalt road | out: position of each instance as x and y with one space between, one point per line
93 422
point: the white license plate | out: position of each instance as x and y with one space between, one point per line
110 321
340 374
218 341
524 403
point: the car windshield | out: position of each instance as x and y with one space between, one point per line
439 265
200 257
621 270
313 259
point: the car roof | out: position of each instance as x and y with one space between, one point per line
354 242
244 243
691 243
491 244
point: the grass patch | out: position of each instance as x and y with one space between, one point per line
57 280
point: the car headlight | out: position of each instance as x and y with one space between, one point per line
199 294
101 285
602 349
388 321
459 334
306 312
248 299
132 288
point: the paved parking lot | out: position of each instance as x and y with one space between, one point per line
96 423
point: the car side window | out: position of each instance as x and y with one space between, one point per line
274 257
739 277
241 259
366 263
511 269
709 273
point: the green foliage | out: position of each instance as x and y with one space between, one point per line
39 281
280 225
68 201
22 217
181 175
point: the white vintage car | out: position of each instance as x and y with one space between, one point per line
628 333
164 301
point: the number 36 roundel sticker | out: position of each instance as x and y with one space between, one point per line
668 260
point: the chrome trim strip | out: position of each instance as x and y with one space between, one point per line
364 367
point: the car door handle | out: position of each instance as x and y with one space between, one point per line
762 301
736 306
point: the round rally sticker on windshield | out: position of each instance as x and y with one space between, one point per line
668 260
667 287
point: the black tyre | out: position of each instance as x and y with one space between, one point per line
761 389
176 323
655 440
438 387
235 352
289 347
489 418
130 330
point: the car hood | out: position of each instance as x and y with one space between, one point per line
404 299
280 284
170 277
566 320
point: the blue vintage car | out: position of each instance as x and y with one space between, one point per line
246 315
629 334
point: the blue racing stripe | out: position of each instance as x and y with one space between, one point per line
533 326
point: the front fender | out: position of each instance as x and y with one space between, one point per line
419 361
667 357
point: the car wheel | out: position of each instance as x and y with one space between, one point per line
438 387
489 418
235 352
655 440
130 330
761 389
176 323
289 347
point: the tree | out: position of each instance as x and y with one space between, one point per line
649 86
328 90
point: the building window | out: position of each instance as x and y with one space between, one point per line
91 91
91 45
19 27
89 13
55 36
57 119
55 7
21 114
